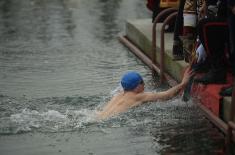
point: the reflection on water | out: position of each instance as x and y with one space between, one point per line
60 61
108 23
55 48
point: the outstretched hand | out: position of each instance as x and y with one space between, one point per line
187 75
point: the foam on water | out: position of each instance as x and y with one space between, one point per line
65 114
51 120
167 123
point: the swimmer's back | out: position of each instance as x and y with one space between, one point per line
118 104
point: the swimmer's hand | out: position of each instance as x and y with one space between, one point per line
187 75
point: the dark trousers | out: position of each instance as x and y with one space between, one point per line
177 46
156 9
213 33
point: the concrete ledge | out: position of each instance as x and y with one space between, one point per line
140 33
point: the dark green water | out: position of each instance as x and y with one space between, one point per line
60 61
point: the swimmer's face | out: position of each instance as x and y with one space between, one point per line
140 87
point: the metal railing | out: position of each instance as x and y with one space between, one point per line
154 38
162 45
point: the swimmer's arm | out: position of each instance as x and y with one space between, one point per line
168 94
164 95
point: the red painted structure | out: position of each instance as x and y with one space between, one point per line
209 96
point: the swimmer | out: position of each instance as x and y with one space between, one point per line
133 94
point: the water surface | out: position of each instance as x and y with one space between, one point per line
60 61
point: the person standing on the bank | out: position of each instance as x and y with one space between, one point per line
231 26
209 28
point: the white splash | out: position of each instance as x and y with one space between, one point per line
116 90
51 120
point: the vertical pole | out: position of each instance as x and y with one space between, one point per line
154 37
162 45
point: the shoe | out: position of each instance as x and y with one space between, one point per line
212 77
226 91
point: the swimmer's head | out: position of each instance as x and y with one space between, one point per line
131 80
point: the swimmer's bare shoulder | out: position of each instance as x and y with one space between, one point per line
123 101
110 108
120 103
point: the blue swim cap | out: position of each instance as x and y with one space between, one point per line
131 80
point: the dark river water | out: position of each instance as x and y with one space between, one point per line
60 61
